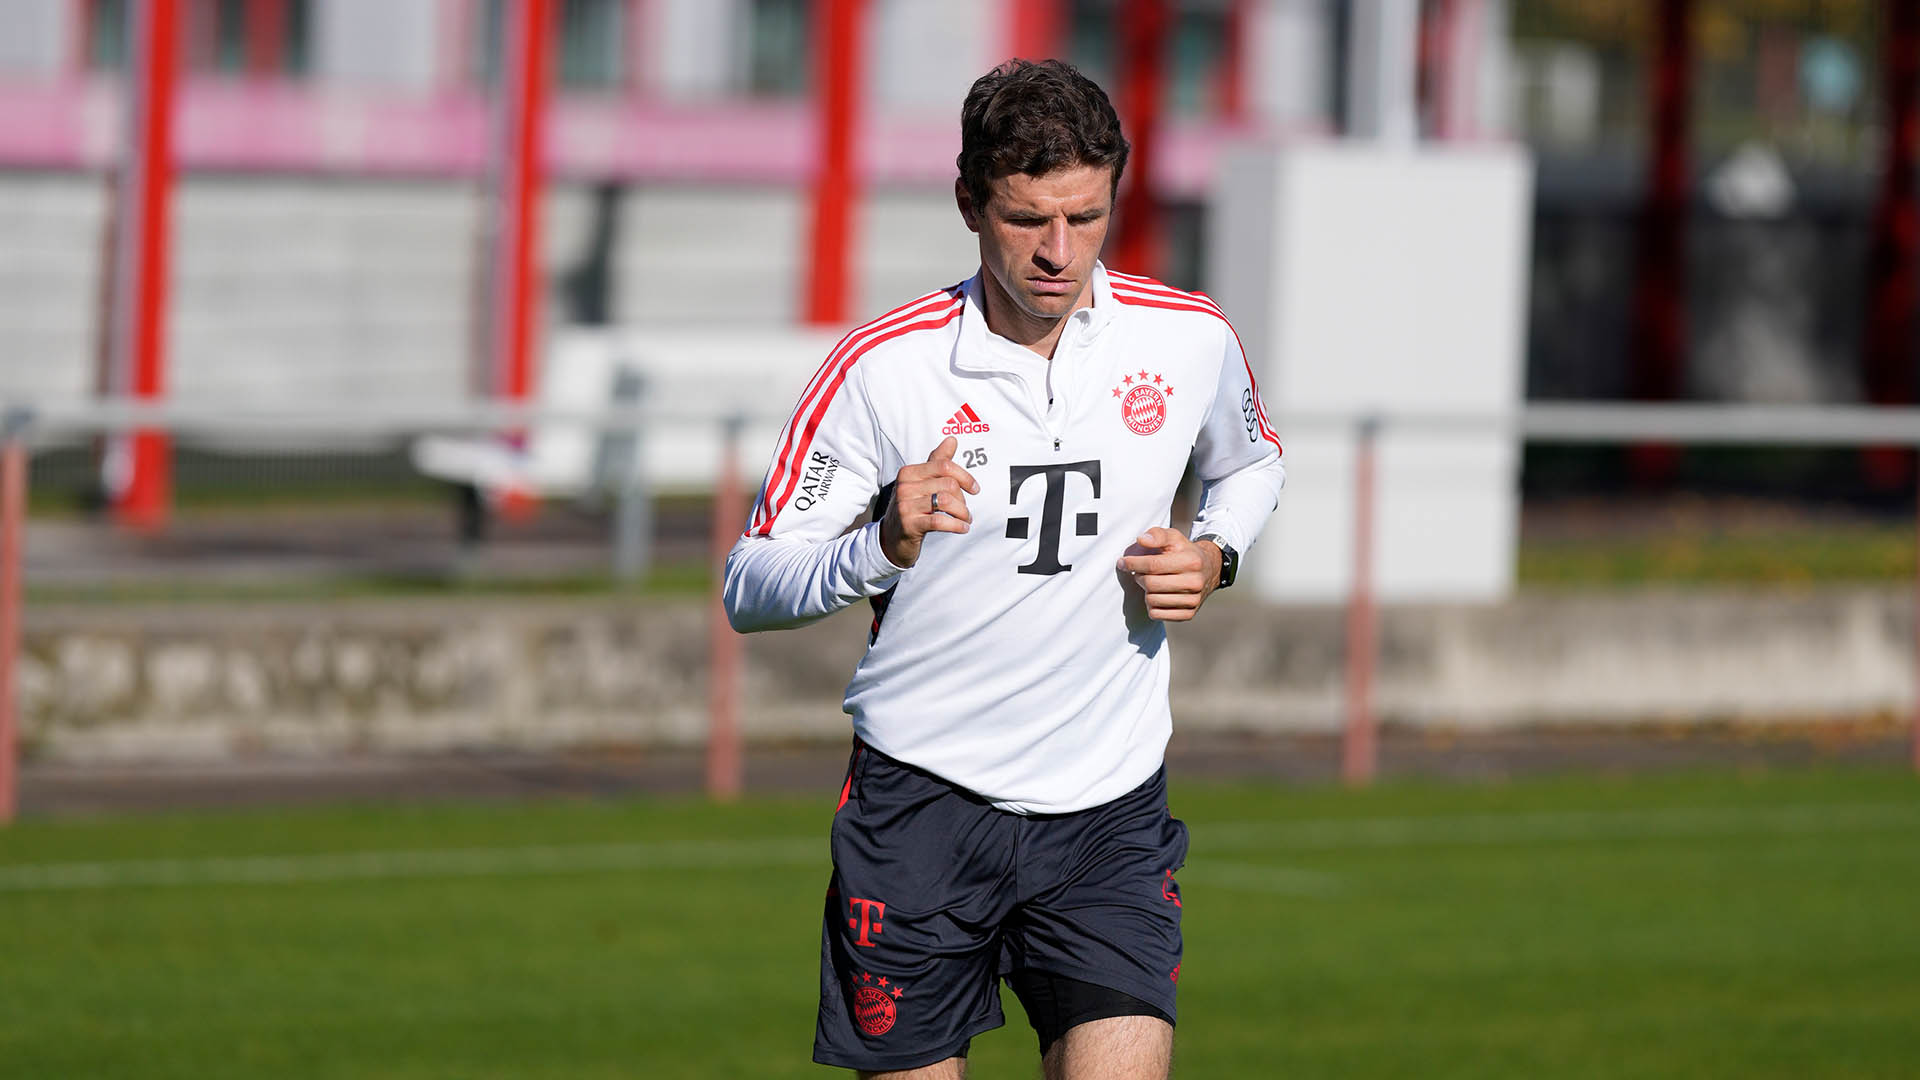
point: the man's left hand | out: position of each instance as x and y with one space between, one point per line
1176 574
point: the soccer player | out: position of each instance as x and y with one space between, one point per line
1018 439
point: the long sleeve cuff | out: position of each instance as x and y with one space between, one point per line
877 572
773 583
1236 507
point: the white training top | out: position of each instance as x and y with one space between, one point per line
1014 660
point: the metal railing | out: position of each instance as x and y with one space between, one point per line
1545 423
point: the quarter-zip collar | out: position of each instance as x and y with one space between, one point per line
979 349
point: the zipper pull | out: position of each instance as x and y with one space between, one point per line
1056 442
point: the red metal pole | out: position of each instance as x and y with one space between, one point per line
13 513
139 474
1358 750
1449 62
838 72
1893 262
522 175
1034 28
266 35
638 79
81 38
1143 29
1660 283
723 645
519 171
1914 739
1231 86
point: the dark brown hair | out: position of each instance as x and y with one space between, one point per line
1033 118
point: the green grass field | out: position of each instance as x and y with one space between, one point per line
1703 926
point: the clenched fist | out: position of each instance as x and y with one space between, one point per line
930 497
1176 573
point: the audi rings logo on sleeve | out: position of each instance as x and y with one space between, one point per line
1143 401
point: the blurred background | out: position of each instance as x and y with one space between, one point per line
463 310
382 382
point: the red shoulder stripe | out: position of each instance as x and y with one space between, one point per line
1151 287
932 321
1126 295
782 461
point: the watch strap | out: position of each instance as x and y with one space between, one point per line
1229 558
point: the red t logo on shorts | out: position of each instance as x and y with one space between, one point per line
868 919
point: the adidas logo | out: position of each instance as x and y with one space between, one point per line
965 422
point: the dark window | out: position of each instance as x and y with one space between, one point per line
1197 64
1195 56
220 37
1802 78
106 30
590 44
779 48
261 38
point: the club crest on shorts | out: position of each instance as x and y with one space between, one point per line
1143 401
875 1003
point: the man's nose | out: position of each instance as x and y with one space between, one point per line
1054 249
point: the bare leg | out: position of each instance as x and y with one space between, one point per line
1117 1048
950 1069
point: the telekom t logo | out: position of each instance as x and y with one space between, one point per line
1046 560
868 921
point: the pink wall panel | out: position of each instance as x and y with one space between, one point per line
269 127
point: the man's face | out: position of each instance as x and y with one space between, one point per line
1039 237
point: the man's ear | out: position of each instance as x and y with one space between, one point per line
964 200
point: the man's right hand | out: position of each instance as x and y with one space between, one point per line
916 493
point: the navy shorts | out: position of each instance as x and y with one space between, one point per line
936 894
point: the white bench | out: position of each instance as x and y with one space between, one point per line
685 377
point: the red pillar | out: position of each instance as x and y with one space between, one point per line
1892 277
1359 743
139 465
1913 720
725 770
1231 85
1659 340
1449 65
13 516
1143 28
838 73
266 32
519 168
1035 29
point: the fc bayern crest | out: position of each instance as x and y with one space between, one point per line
875 1005
1143 402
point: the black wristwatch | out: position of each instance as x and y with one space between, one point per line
1229 558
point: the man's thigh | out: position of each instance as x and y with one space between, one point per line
910 934
950 1069
1116 1048
1099 935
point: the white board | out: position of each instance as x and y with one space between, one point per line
1366 279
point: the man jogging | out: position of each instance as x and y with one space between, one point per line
1018 439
